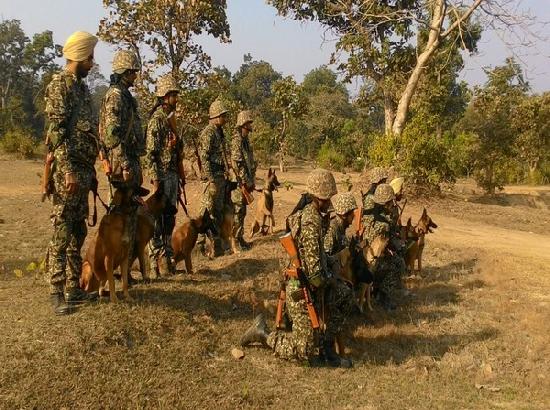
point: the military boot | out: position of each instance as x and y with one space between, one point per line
76 296
244 245
60 307
332 358
257 333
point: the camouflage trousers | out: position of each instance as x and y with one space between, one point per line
388 276
161 243
239 205
213 199
299 344
69 231
339 304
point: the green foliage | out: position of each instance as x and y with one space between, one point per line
329 157
19 142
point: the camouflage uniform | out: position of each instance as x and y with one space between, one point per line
244 165
212 155
300 344
121 133
335 238
162 162
371 180
71 132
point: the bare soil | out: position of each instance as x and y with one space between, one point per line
473 335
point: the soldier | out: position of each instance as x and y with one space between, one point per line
212 153
121 132
164 156
244 166
396 210
390 266
71 136
306 227
335 238
371 179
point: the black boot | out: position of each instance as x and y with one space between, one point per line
76 296
244 245
60 307
332 358
257 333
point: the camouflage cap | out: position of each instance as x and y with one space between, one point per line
217 109
244 117
383 194
376 175
165 85
125 60
344 203
397 185
321 184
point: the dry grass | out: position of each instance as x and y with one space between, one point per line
479 316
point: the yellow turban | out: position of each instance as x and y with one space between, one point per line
79 46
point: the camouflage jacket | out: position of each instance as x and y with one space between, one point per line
307 230
335 238
242 159
120 128
160 157
72 125
212 153
381 223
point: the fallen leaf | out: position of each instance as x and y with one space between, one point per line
487 387
18 273
31 267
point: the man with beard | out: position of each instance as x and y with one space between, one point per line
71 139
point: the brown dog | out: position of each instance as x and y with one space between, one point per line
185 237
264 208
416 240
110 248
349 265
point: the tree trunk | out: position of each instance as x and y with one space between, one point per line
282 147
389 113
412 83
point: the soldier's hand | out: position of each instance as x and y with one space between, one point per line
126 175
71 183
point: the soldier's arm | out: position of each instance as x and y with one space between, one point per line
330 240
237 158
114 129
311 249
153 148
207 142
58 114
140 136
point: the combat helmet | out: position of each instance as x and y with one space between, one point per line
376 175
217 109
383 194
321 184
165 85
344 203
125 60
397 185
243 117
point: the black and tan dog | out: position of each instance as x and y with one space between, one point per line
416 239
185 237
264 208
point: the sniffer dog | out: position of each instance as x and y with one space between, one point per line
110 247
264 208
185 237
358 260
416 239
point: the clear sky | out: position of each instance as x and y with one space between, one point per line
293 48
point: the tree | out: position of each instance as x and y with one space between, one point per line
169 28
289 103
377 37
489 116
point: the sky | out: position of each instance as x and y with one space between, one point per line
293 48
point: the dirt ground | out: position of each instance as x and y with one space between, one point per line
473 335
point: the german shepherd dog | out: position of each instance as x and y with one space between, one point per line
356 264
185 237
106 248
416 240
264 208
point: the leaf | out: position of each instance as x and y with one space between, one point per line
18 273
31 267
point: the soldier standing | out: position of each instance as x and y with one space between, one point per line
164 153
371 180
306 226
71 135
121 132
214 169
244 166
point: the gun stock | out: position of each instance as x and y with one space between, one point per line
290 247
280 306
358 221
46 178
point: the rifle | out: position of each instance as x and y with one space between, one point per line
47 181
181 170
358 221
248 198
295 271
